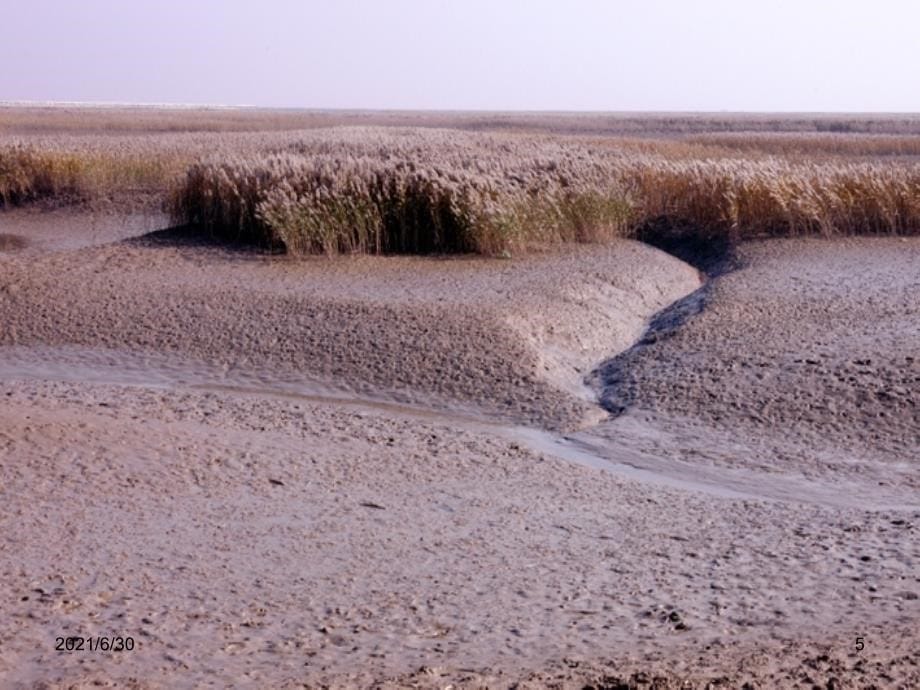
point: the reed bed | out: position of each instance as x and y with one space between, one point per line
66 168
428 190
382 191
29 174
385 191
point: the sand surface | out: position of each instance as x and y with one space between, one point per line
351 472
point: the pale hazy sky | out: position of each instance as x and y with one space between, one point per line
799 55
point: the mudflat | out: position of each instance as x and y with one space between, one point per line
591 465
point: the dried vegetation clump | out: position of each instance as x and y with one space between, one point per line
27 174
385 190
66 171
416 191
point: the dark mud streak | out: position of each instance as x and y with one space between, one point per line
818 339
612 380
197 238
616 388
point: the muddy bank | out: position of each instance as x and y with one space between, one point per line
259 470
507 337
811 348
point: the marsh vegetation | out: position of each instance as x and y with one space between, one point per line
481 184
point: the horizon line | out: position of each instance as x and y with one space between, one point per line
320 109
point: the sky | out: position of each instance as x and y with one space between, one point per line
594 55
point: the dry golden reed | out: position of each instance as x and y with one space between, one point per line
419 191
32 173
27 175
78 167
